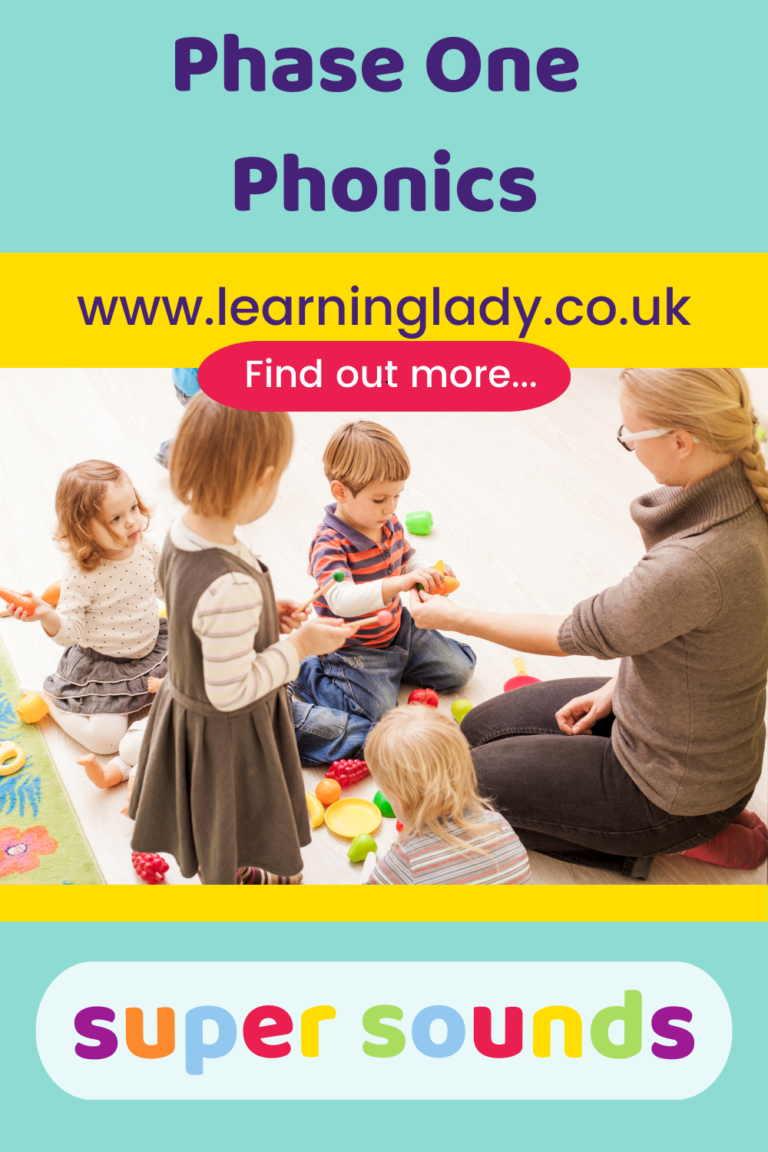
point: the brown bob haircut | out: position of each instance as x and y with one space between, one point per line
79 497
220 454
364 453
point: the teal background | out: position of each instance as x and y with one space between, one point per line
36 1112
660 147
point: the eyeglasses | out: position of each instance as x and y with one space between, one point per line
623 436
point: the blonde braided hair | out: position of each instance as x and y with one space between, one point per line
713 404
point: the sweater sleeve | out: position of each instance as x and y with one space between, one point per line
350 599
156 564
669 593
226 621
73 603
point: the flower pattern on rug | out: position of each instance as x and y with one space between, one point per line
20 850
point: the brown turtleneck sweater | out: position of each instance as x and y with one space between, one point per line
691 625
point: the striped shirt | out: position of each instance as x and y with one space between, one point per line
339 547
226 620
423 858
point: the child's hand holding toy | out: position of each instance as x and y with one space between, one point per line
290 615
319 636
28 607
430 578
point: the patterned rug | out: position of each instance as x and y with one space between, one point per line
41 841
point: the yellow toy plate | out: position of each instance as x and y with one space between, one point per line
351 816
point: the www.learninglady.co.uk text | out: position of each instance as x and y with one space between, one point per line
414 313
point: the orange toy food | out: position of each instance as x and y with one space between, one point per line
450 583
328 792
17 600
52 594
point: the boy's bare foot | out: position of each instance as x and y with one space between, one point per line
101 777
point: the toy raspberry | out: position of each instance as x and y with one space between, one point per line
149 866
347 772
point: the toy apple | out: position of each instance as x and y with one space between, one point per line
360 847
459 709
426 696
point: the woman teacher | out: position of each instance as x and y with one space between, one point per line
664 757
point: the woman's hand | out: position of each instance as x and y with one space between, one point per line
288 615
433 611
577 716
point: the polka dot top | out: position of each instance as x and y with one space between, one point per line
114 608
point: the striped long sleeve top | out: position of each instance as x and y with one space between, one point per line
226 620
423 858
365 564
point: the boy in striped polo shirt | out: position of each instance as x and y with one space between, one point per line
361 536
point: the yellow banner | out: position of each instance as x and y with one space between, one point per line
537 903
593 309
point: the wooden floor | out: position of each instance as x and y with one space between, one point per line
530 509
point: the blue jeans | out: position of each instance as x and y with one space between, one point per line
365 681
324 735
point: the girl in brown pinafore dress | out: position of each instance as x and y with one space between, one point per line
219 782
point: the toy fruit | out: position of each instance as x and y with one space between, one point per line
52 594
151 867
162 612
347 771
399 826
16 600
328 791
384 805
459 709
522 677
420 523
360 847
450 583
315 809
426 696
11 758
32 708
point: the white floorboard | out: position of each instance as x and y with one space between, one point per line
530 508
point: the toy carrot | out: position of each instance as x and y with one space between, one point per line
17 600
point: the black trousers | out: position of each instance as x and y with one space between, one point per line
569 796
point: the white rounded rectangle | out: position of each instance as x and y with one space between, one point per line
407 1030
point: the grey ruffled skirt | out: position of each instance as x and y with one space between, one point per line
90 683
